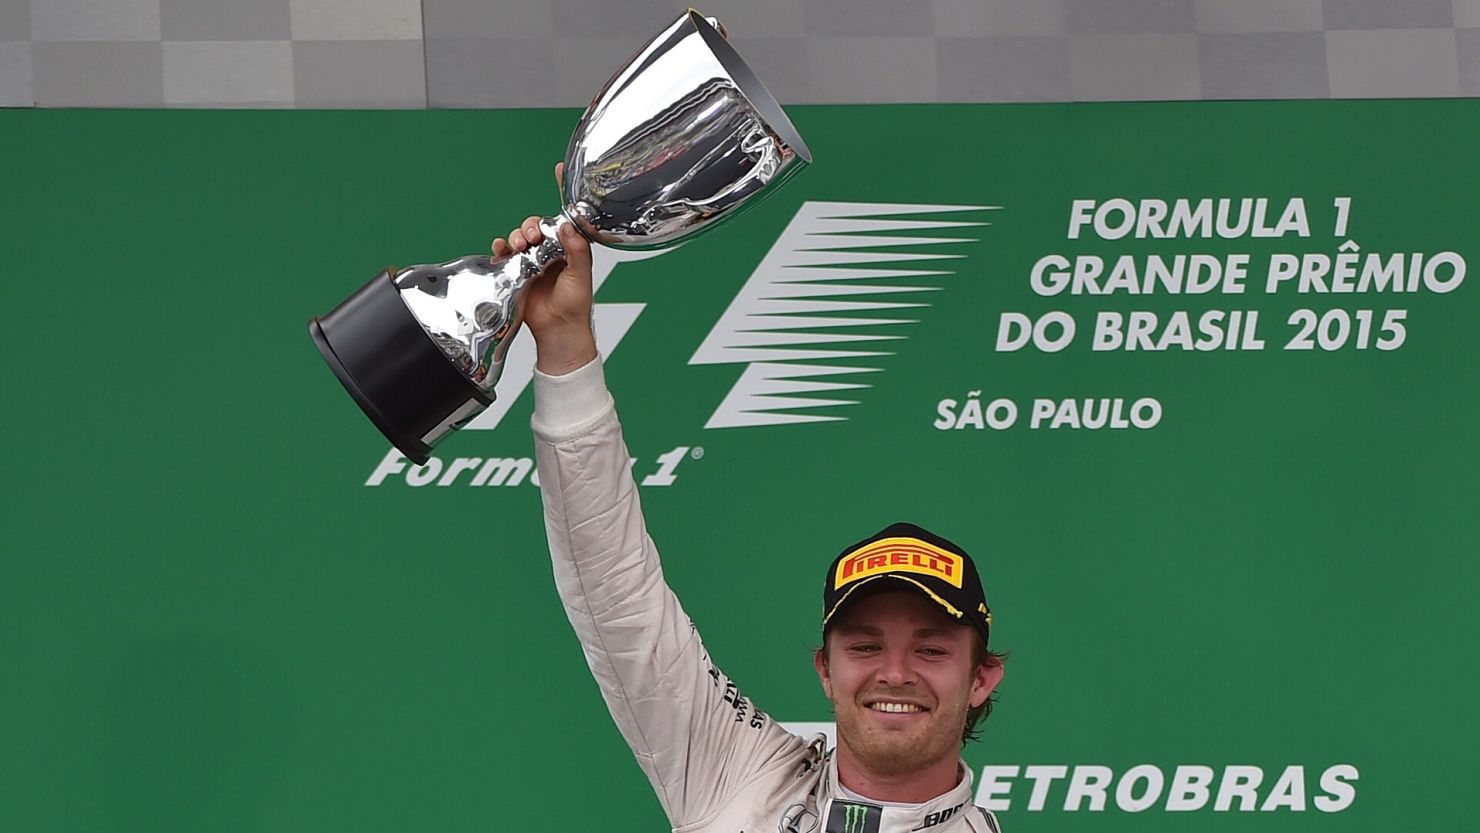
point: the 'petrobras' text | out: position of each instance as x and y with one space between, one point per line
1180 788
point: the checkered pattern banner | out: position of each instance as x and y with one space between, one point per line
513 53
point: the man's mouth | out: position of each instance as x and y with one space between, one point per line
894 707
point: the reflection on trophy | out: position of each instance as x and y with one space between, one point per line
682 136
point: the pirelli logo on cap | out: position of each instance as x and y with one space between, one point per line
899 555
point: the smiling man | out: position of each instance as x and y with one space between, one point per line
905 662
904 658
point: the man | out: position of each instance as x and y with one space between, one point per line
904 658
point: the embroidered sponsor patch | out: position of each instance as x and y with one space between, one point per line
853 817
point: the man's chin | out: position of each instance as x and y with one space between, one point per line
893 746
892 758
885 749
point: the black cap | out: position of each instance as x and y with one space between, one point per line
903 556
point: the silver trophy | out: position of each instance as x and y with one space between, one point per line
683 136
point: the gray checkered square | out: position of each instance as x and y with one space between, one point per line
880 70
228 74
1387 14
1114 17
358 73
464 19
15 75
1467 14
756 18
636 20
1263 65
1220 16
999 18
95 20
1467 47
15 20
1003 69
378 20
850 18
582 65
780 63
1392 63
97 74
202 20
1134 67
482 73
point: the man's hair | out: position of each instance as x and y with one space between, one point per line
979 656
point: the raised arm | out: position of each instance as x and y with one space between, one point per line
692 732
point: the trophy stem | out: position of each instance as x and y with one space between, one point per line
470 307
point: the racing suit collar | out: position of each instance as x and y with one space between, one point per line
890 817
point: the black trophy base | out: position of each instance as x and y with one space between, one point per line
396 374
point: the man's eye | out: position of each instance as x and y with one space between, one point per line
865 647
934 652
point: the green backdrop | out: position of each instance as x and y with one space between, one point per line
209 621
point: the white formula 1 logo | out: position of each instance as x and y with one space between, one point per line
793 315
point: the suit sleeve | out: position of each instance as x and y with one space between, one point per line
696 737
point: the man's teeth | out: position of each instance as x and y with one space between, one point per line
896 708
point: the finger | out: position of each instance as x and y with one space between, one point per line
516 239
560 174
500 247
531 229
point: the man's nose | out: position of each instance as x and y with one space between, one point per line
897 668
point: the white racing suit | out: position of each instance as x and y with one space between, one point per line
718 764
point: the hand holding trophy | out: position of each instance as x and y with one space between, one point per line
558 307
683 136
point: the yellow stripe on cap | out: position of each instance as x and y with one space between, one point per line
950 608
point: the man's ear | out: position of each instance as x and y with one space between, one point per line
985 682
819 661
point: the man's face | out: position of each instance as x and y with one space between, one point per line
901 677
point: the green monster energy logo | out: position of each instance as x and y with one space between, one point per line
848 817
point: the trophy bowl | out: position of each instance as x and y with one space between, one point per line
683 136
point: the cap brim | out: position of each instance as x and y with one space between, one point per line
871 586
